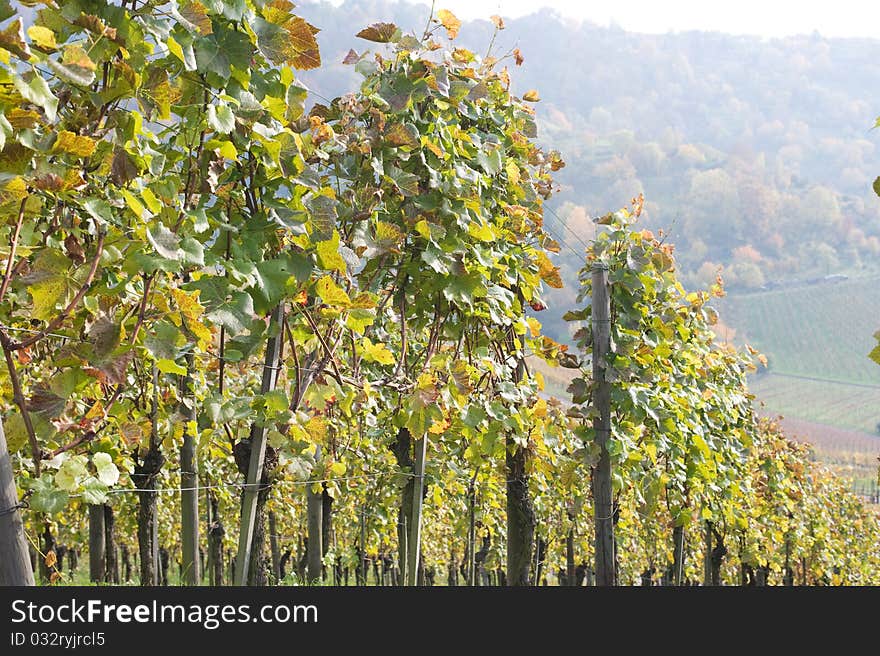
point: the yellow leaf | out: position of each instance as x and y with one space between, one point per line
95 411
540 409
331 293
43 38
513 174
329 258
531 96
316 428
376 352
153 203
188 303
548 272
74 144
75 55
534 326
448 20
133 204
438 426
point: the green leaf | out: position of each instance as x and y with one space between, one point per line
276 401
166 243
6 10
108 474
323 211
221 118
16 432
224 48
274 276
464 289
37 91
50 285
235 314
46 496
94 491
877 186
192 251
170 367
99 210
5 130
71 473
875 354
184 52
490 161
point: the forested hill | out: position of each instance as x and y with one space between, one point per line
754 154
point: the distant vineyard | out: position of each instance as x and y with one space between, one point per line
822 330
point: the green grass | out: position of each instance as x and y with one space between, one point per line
823 331
841 405
816 339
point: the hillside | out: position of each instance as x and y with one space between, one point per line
816 338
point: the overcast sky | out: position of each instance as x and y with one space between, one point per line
770 18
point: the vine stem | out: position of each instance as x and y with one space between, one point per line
13 245
58 320
430 16
18 397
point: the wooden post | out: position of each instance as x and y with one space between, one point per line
144 477
603 508
363 563
189 482
569 555
677 555
258 450
97 543
415 538
520 512
15 563
472 536
315 510
111 555
707 558
275 547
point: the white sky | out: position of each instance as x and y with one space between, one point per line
769 18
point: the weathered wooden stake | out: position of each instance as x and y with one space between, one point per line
606 567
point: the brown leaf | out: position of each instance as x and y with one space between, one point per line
197 14
517 57
378 32
305 54
96 26
49 182
116 369
51 559
22 118
498 21
74 249
12 38
104 335
448 20
351 58
399 134
123 168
